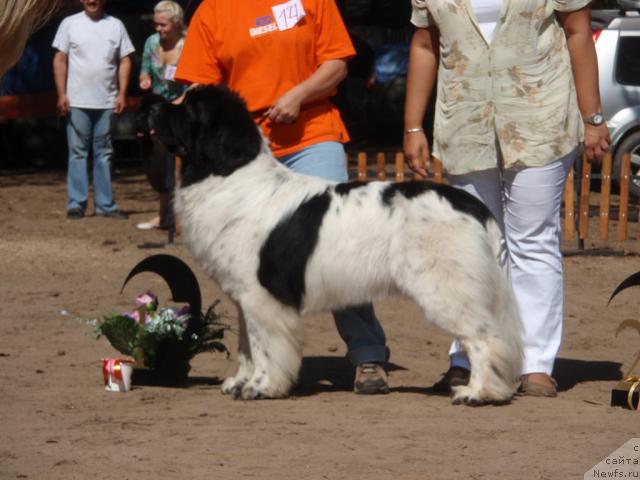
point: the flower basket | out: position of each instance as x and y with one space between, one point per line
162 340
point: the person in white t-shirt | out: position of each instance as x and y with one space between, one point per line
91 71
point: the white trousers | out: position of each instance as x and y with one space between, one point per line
526 202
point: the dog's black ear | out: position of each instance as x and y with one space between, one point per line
171 125
229 137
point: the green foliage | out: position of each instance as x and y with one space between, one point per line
121 331
164 338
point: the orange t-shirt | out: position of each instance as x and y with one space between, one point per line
239 43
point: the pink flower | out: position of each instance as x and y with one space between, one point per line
148 300
135 315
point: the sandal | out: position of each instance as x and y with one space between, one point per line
537 389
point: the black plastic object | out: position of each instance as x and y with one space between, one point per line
630 281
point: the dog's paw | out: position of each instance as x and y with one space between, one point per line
252 393
467 396
258 390
471 397
233 386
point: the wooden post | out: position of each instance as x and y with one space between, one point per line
399 167
605 196
362 166
436 165
585 186
625 176
380 166
569 208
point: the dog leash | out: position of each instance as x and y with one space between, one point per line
263 117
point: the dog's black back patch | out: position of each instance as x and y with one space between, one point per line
459 199
346 187
285 253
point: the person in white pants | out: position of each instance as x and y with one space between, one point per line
517 95
526 203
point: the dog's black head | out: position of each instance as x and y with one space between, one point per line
212 131
142 127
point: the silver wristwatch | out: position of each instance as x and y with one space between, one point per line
595 119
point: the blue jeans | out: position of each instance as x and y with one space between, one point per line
358 325
89 127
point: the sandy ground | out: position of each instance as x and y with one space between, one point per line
57 422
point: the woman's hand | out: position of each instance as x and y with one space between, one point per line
416 148
145 82
321 82
596 141
287 108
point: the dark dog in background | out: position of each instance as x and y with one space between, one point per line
156 157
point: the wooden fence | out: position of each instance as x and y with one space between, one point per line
578 196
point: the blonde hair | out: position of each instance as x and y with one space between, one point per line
172 8
18 19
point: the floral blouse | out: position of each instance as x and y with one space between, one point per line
161 75
516 92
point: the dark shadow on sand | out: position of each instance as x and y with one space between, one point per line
328 374
147 378
336 374
570 371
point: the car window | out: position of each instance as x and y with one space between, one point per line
628 66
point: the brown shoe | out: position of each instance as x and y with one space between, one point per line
454 377
538 385
371 378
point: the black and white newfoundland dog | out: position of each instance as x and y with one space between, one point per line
282 245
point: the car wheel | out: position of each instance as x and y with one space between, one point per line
630 145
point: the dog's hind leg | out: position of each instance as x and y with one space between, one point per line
275 339
233 385
495 352
465 292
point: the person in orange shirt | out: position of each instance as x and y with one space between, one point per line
285 59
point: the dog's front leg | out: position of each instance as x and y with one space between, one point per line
233 385
275 340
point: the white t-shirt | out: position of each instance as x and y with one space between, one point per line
94 49
487 12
